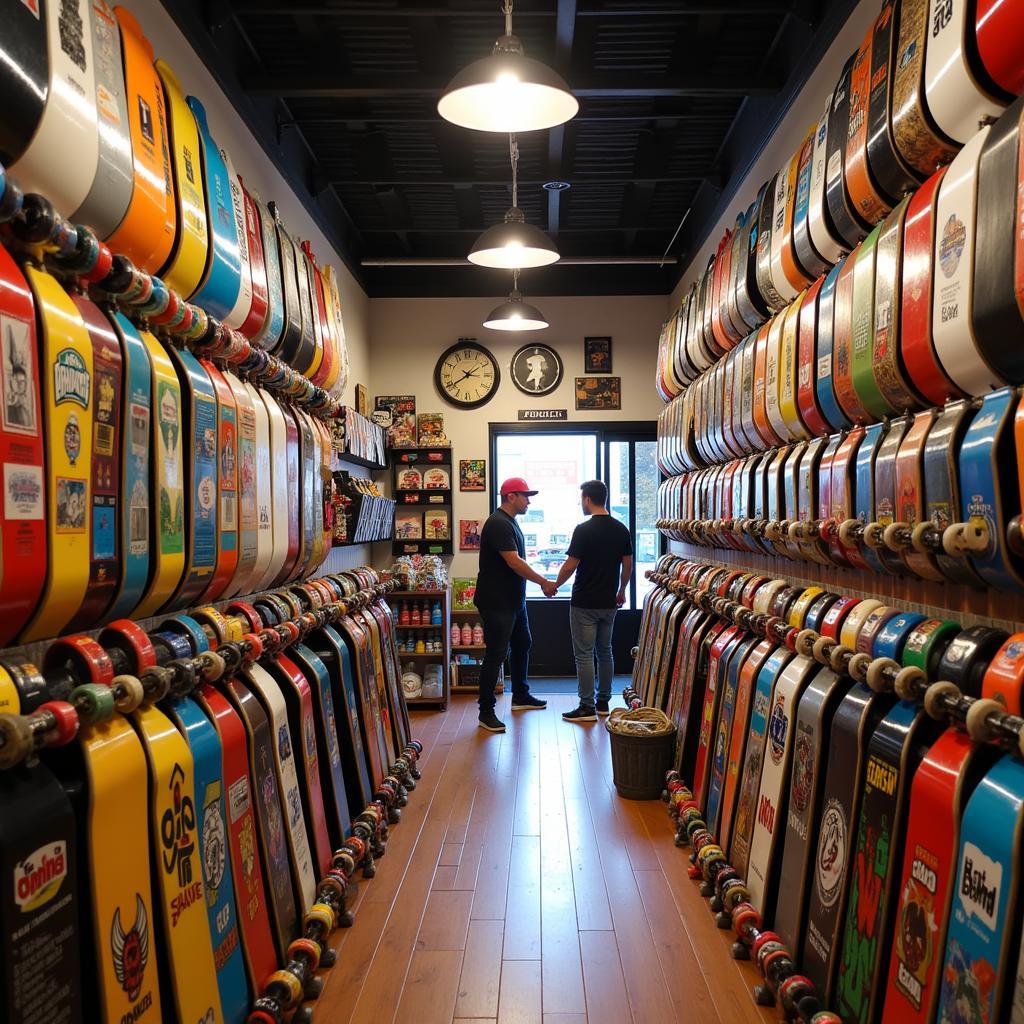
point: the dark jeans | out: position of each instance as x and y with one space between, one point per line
504 628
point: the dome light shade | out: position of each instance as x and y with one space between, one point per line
515 315
507 92
513 245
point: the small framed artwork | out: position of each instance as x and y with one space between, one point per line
435 525
598 392
469 534
597 355
362 406
408 525
472 474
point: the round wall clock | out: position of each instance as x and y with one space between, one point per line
536 369
467 375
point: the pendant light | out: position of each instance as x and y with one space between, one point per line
507 91
513 244
515 315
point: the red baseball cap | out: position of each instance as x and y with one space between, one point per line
515 484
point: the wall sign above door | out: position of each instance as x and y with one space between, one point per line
543 414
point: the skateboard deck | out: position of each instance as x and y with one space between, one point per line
67 378
264 498
852 726
40 907
23 532
188 981
218 883
239 312
269 335
227 483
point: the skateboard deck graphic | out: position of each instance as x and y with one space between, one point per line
25 78
67 376
239 312
227 483
264 498
39 907
186 951
23 531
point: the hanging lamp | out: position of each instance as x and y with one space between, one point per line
513 244
515 315
507 91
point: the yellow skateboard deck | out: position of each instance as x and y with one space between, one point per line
66 369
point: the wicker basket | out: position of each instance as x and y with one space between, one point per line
640 760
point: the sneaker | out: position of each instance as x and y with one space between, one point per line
528 703
602 708
580 714
491 722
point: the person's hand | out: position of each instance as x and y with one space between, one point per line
620 598
550 589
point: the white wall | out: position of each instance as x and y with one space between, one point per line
788 137
409 335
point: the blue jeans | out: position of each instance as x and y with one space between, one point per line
504 629
592 634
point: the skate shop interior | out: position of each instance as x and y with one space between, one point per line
512 511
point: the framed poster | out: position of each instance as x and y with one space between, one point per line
598 392
536 369
469 534
597 355
361 404
402 409
472 474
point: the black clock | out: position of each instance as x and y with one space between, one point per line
467 375
536 369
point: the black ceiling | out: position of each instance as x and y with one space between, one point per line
676 100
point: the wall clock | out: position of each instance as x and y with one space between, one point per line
536 369
467 375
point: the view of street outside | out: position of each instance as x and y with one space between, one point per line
555 465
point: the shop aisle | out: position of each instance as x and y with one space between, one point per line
520 888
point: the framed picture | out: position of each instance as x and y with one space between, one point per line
472 474
463 592
435 525
408 525
361 402
402 427
536 369
469 534
597 355
598 392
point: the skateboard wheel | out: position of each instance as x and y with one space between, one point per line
826 1017
128 693
805 642
321 914
838 658
934 695
795 532
156 682
211 666
962 539
875 676
763 939
872 535
65 723
846 532
93 703
910 682
306 949
289 986
894 536
16 737
922 537
261 1016
822 650
978 726
125 633
857 667
794 990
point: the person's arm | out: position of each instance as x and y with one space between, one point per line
627 571
567 568
521 568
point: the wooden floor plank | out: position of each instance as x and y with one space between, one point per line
430 988
522 914
481 970
445 921
451 853
520 998
444 877
606 987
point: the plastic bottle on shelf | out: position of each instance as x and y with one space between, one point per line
414 615
478 635
403 614
467 634
456 636
436 617
421 646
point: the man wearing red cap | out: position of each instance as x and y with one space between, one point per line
501 601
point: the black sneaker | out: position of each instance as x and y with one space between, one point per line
491 722
528 703
602 708
580 714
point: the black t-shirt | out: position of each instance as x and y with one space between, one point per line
599 544
497 586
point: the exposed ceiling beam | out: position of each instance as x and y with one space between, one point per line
583 86
339 120
576 179
275 7
565 261
475 229
565 31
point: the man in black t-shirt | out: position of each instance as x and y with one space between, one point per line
601 555
501 600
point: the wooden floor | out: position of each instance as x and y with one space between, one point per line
519 887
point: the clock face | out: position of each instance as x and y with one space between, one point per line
536 369
467 375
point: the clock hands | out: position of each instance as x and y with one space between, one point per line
470 373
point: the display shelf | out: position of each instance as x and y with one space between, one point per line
469 647
420 702
424 497
442 657
466 611
424 625
421 547
420 456
356 460
418 593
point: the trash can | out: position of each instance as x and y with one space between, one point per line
640 759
